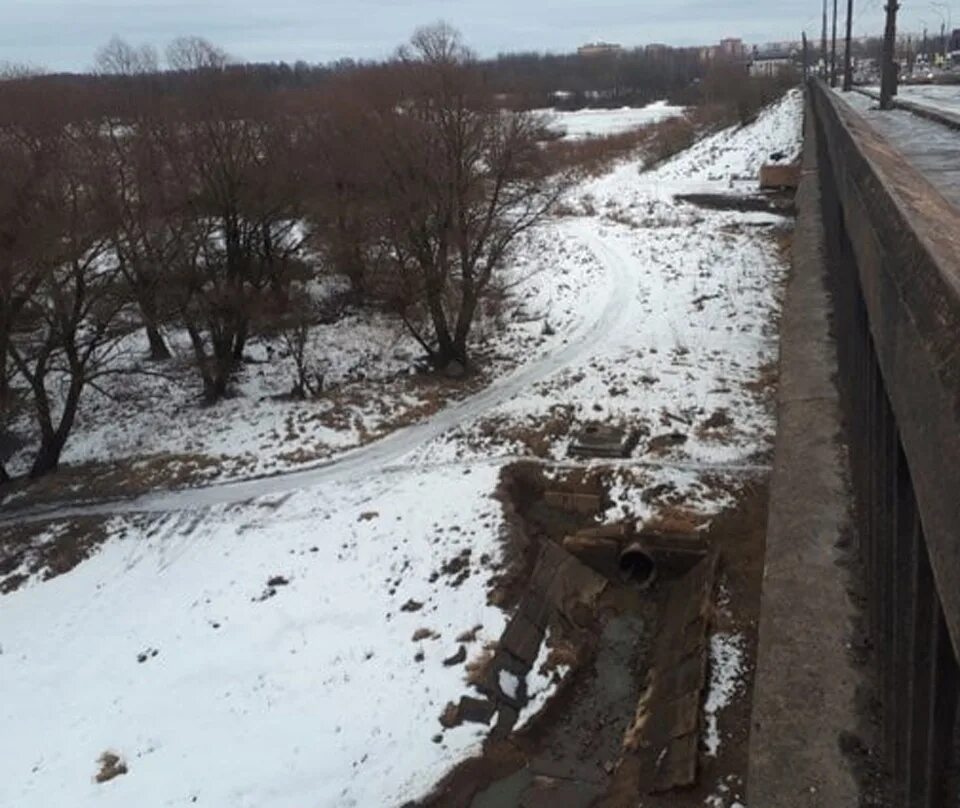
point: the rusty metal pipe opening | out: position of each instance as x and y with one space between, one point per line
637 565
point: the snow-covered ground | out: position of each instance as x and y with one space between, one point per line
938 96
253 644
144 419
587 123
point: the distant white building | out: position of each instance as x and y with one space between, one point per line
770 65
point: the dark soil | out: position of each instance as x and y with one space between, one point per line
47 549
762 203
567 756
740 533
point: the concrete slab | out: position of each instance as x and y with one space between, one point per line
805 685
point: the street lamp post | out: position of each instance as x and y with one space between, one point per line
888 79
847 56
833 49
946 23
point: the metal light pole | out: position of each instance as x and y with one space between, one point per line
945 23
833 49
806 58
847 56
888 79
823 43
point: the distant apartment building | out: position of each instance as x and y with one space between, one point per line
730 49
733 48
599 49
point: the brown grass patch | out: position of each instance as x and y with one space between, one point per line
47 549
126 477
536 437
111 766
563 652
676 519
653 143
767 379
478 668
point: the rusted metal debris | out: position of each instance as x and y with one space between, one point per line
775 176
583 502
560 584
665 733
603 440
615 550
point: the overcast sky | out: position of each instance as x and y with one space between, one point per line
64 34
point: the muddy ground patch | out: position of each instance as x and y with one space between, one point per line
571 752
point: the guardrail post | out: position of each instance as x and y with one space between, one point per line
906 536
932 694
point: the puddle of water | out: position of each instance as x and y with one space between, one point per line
505 793
616 675
581 743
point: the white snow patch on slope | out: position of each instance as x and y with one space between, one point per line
315 695
509 684
726 680
542 683
309 696
582 124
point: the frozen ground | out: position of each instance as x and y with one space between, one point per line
587 123
275 618
145 419
938 96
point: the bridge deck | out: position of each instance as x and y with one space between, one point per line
930 147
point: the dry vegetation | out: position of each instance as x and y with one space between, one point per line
215 208
725 97
207 202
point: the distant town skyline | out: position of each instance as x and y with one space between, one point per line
63 35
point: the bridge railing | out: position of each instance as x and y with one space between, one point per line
894 245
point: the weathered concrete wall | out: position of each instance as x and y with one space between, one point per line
905 239
894 246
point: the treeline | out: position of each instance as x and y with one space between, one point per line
124 206
522 80
569 81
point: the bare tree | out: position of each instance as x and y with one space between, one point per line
120 58
236 170
32 143
132 179
294 329
14 71
193 54
69 327
338 158
461 180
